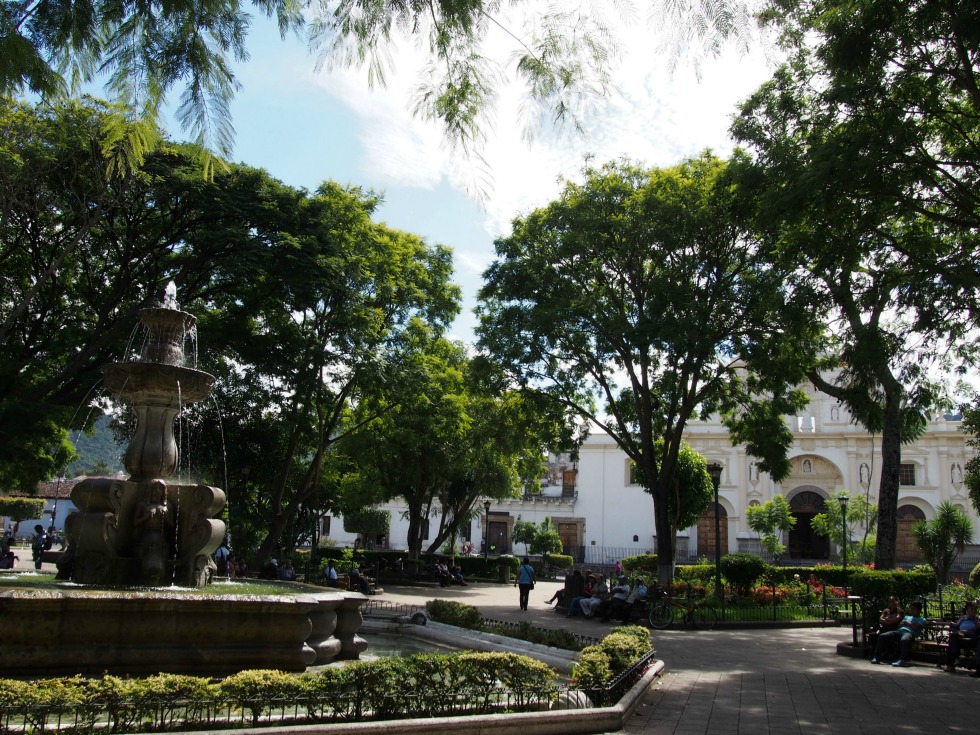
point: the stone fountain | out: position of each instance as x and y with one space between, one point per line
146 530
137 548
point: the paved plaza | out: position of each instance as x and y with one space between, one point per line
757 681
742 681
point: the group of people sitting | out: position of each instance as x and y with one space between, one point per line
447 576
599 601
896 626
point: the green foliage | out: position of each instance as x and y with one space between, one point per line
555 562
702 574
600 664
859 511
943 538
22 509
454 613
523 532
254 690
368 522
642 564
546 539
742 570
879 584
769 521
611 276
975 576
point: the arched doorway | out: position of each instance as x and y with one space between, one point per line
803 542
905 548
706 531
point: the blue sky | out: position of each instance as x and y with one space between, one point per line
305 127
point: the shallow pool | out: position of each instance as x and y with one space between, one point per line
381 645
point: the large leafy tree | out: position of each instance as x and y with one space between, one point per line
865 142
310 321
639 301
442 436
86 240
563 55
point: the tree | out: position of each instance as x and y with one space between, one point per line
83 246
523 533
21 509
860 512
971 425
638 300
838 168
440 438
770 520
943 538
563 56
546 539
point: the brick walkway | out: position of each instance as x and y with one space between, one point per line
759 681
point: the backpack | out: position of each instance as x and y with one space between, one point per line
48 541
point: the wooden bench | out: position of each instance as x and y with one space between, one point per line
933 645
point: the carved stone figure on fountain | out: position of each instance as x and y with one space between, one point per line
150 524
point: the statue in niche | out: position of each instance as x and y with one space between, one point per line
956 474
865 474
753 472
835 413
150 521
807 466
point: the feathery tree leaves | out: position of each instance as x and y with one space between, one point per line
639 300
943 538
564 54
867 142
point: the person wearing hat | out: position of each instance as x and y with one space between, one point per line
358 583
620 592
622 609
270 570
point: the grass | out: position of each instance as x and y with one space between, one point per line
44 581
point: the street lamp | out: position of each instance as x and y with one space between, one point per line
714 469
486 535
843 531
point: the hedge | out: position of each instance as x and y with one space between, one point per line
600 664
645 563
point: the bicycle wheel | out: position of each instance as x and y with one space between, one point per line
704 616
661 615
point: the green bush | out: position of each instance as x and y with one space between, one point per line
743 570
702 574
256 690
454 613
553 563
877 585
975 576
642 564
617 652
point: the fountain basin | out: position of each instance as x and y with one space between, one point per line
76 631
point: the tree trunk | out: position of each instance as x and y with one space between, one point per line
888 486
665 537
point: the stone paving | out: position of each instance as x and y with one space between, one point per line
757 681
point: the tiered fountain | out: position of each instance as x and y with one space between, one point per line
145 532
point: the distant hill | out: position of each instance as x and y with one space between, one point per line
99 453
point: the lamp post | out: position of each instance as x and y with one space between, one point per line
714 469
843 530
486 534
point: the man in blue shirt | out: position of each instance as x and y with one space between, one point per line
910 628
962 634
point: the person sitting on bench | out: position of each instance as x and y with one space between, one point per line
963 634
911 627
622 609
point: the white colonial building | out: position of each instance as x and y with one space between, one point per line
602 515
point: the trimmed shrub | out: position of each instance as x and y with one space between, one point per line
702 574
877 585
454 613
600 664
743 570
642 564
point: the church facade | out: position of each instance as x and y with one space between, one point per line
602 515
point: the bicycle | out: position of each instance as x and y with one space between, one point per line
700 615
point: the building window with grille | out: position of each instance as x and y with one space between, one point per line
325 526
466 531
632 476
906 474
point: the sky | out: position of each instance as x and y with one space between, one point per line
306 126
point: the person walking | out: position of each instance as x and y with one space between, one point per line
525 580
39 545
